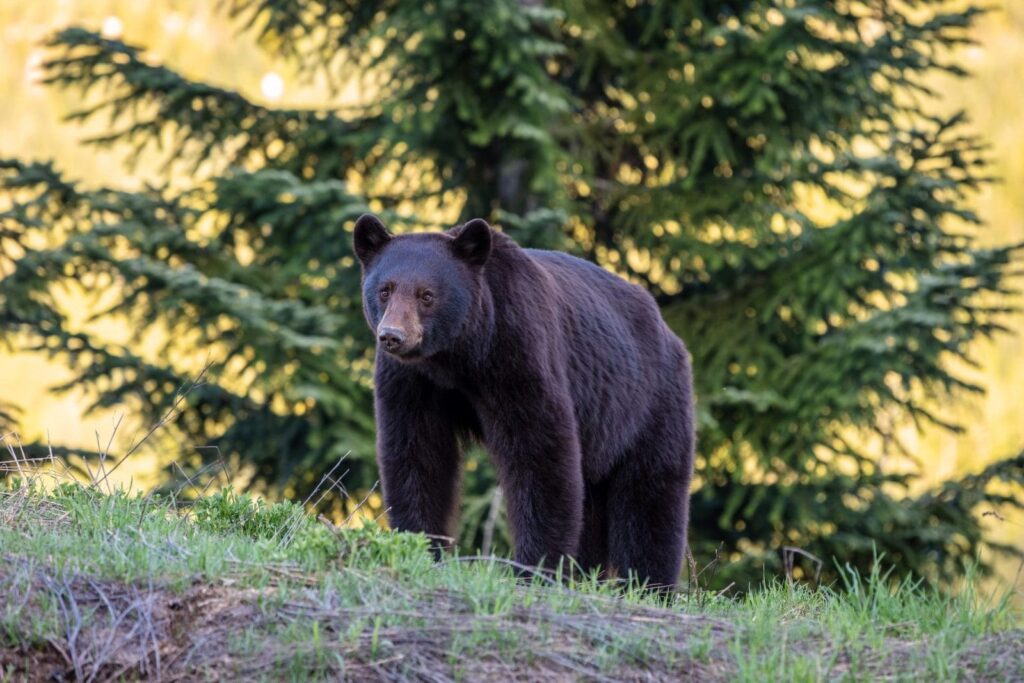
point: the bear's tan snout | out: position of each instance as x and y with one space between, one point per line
400 332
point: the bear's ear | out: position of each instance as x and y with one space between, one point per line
369 237
473 243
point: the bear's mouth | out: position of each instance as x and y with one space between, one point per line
406 355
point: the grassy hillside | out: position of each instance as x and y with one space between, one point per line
105 585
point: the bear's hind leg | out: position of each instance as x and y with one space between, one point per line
649 501
647 517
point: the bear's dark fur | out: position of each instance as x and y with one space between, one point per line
566 373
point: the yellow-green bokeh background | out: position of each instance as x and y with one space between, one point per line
201 41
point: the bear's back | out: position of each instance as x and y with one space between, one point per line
604 301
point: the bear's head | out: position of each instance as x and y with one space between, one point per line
420 290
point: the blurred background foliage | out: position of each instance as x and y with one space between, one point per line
792 180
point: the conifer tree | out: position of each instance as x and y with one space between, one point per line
772 172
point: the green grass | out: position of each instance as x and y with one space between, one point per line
98 586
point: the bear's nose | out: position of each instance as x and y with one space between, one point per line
391 337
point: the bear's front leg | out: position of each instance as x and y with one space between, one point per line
536 451
418 454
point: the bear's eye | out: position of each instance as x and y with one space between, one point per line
427 298
385 292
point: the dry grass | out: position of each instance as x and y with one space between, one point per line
109 630
112 630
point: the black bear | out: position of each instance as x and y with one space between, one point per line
566 373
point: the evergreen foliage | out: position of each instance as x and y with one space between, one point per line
771 172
